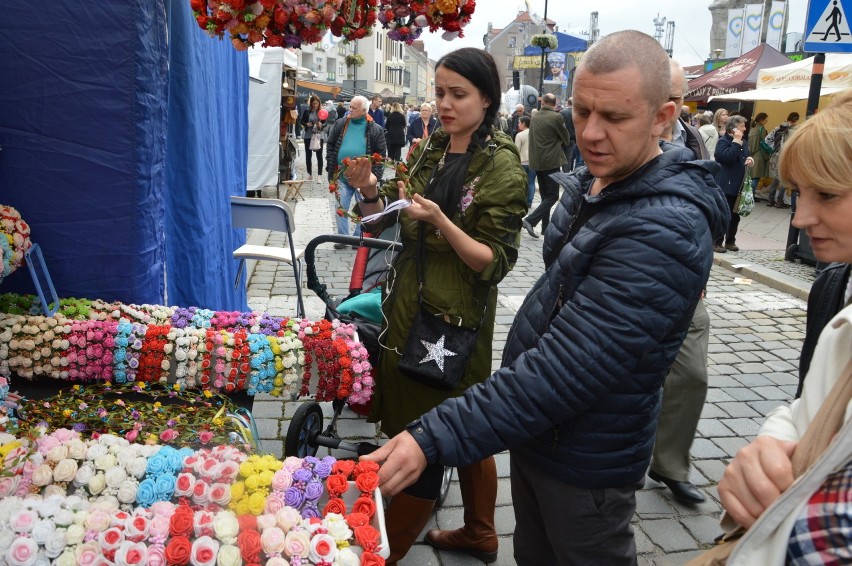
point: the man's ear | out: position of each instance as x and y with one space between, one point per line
663 118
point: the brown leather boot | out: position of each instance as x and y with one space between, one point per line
478 483
405 518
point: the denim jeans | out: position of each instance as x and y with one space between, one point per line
531 184
776 191
346 193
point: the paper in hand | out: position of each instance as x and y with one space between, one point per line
392 207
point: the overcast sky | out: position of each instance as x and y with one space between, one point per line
691 17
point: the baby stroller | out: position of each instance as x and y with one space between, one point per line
306 434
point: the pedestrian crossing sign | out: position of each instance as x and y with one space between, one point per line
827 28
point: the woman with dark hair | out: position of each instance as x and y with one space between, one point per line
312 126
468 190
732 155
395 131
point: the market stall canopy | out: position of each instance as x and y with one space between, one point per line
738 75
311 86
792 81
566 44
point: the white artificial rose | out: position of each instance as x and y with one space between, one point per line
97 483
126 454
41 560
6 538
229 555
67 558
77 449
51 504
56 544
346 557
8 506
57 453
63 517
54 490
105 462
42 531
226 527
338 529
115 476
127 491
42 475
136 467
96 450
74 534
83 475
97 520
22 552
65 470
108 503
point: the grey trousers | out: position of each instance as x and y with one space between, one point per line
565 525
684 393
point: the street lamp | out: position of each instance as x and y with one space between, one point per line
396 65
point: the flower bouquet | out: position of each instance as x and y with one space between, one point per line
399 168
14 240
355 19
406 19
354 60
544 41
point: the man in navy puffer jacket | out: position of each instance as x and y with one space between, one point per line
626 255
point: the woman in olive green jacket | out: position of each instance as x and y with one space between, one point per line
760 155
469 190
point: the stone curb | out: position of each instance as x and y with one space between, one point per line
778 281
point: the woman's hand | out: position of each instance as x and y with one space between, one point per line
359 175
422 208
749 161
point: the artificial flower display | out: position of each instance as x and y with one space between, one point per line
14 240
290 23
181 348
105 501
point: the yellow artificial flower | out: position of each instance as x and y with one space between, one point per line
6 448
76 388
266 478
252 482
246 468
176 386
256 503
208 393
238 490
66 413
157 404
243 506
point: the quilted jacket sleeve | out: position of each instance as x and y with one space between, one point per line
644 274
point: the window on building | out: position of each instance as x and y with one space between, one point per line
330 76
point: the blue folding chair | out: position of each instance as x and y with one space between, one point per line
268 214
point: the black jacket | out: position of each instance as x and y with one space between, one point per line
731 156
580 388
375 139
415 129
395 128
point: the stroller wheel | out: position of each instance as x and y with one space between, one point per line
446 480
304 428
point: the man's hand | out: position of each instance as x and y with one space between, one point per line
402 463
757 475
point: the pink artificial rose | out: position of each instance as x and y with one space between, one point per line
22 552
200 493
131 435
209 468
156 555
282 479
297 543
273 541
137 528
87 553
22 521
111 539
159 527
202 523
228 471
205 436
220 494
204 551
131 554
168 435
185 483
323 549
8 485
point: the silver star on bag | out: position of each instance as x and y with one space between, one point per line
436 352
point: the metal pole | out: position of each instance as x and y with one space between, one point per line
541 75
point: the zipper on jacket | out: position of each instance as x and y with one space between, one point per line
557 306
555 437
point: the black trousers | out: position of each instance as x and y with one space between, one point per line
549 190
394 151
731 236
309 152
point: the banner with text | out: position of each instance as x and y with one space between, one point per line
775 26
733 41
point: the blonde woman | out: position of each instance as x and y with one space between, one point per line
810 523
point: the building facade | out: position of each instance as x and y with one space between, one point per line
505 43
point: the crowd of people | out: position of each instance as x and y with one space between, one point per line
637 193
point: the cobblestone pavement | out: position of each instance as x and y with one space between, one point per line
756 336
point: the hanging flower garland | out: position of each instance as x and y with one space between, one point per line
14 240
400 172
355 19
544 41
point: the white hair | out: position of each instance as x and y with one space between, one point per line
362 99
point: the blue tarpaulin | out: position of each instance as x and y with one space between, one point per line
567 44
123 132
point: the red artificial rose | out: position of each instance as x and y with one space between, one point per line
250 546
372 559
197 5
178 551
344 467
366 505
357 520
365 466
335 505
377 158
367 537
247 522
346 161
367 482
336 484
181 521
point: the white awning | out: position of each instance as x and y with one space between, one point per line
781 94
